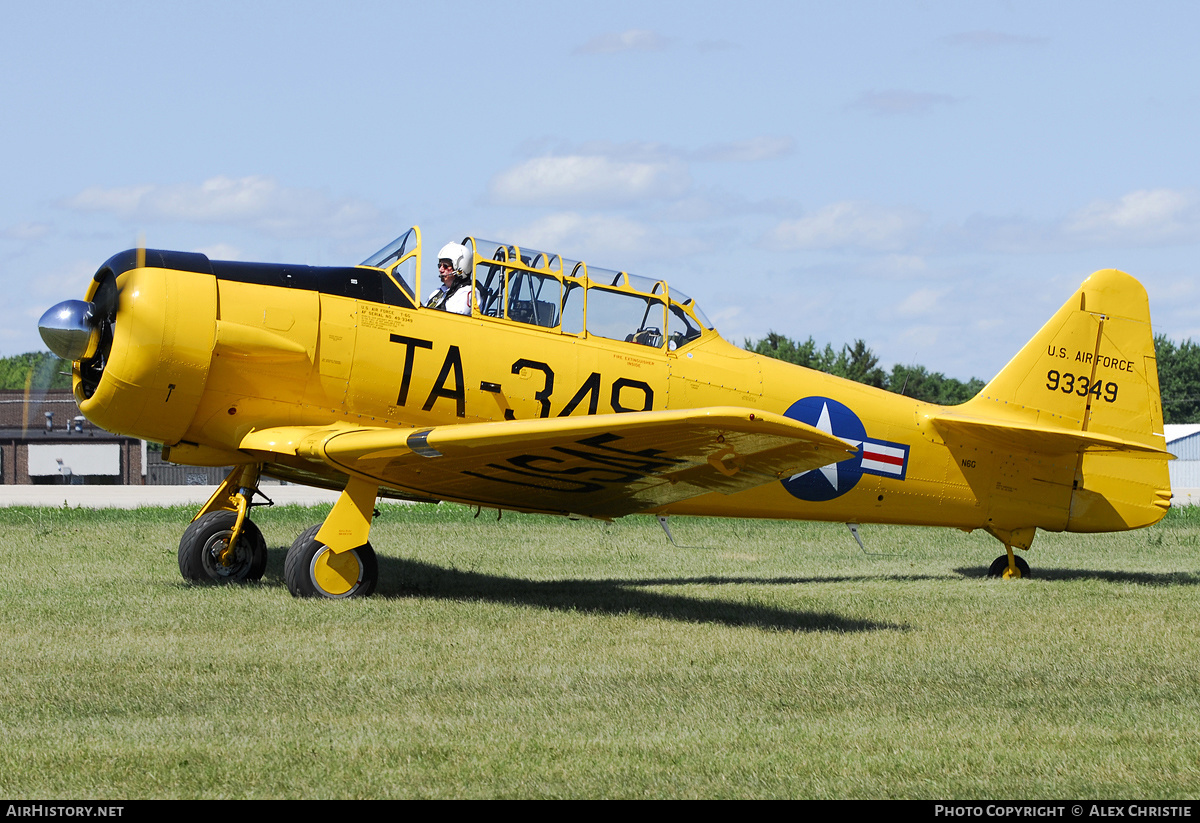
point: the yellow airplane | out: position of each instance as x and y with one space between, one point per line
529 382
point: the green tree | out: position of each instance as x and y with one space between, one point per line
932 387
786 349
34 370
1178 379
857 362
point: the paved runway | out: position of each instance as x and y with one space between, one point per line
136 497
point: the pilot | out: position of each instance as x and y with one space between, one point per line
454 295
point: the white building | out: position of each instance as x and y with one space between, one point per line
1183 441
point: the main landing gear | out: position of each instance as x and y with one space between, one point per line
222 545
209 554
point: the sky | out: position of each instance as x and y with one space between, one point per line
934 178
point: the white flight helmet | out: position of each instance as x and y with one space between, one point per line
458 255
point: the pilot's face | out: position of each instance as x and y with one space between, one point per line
446 272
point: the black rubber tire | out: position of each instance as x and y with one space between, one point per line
204 539
1000 565
298 568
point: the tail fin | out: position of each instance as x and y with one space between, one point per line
1091 370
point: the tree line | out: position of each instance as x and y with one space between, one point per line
1178 379
35 371
857 362
1178 372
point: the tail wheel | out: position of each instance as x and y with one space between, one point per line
313 570
205 556
999 568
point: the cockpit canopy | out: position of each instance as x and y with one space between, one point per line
531 287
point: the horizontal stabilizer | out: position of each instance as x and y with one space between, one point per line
1042 439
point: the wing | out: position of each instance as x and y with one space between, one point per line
599 466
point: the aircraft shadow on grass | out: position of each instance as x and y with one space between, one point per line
1105 575
399 577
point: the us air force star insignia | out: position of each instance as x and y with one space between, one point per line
879 457
829 471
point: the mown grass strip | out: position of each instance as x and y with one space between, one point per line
535 657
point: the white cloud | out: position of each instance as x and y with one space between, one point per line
217 200
902 102
69 280
600 240
31 292
589 180
629 40
747 151
1145 216
221 251
601 173
848 225
25 231
1181 290
256 201
916 340
1006 234
122 201
696 207
921 303
907 266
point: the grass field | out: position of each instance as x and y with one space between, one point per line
535 657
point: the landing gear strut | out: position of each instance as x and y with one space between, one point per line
221 545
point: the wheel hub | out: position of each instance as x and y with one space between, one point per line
338 575
222 561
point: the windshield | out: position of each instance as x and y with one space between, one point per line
400 259
393 251
682 299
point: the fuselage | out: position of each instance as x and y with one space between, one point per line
199 359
